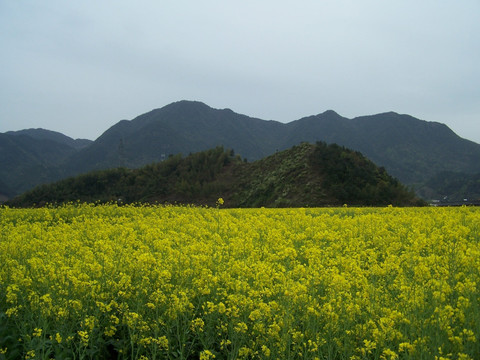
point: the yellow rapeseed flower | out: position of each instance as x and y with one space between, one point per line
293 281
206 355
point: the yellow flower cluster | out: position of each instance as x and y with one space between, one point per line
155 282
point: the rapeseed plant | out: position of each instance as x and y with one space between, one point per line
96 281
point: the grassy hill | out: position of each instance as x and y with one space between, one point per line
304 175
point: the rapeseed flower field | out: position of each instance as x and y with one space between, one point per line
86 281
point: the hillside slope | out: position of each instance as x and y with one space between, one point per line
305 175
182 127
26 162
34 156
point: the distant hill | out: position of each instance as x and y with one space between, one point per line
32 157
305 175
5 192
410 149
452 187
42 134
26 161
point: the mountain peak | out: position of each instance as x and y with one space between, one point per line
187 104
330 113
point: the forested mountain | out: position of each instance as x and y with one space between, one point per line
42 134
410 149
452 187
183 127
32 157
305 175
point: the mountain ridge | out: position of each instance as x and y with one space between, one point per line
411 150
44 134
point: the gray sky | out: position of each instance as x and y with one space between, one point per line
79 67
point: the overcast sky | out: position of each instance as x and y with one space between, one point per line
79 67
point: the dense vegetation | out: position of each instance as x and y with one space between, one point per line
305 175
453 187
168 282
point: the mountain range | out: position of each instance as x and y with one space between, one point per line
412 150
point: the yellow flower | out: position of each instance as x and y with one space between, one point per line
388 354
162 342
206 355
12 311
58 338
110 331
241 327
150 305
244 352
405 346
83 337
265 350
224 343
197 325
221 308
